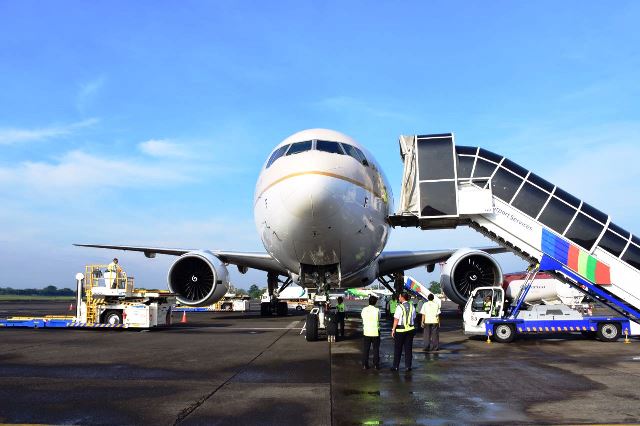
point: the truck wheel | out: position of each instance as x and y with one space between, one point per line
282 309
312 328
609 331
504 333
298 308
112 318
265 309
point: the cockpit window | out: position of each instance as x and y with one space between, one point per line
277 154
299 147
355 153
328 146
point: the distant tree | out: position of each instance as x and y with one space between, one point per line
50 290
255 292
434 287
241 292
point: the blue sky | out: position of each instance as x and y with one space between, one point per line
148 122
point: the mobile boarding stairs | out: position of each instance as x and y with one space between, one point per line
446 186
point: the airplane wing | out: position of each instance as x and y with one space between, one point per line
262 261
397 261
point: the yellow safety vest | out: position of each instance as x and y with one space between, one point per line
371 321
406 316
392 306
340 307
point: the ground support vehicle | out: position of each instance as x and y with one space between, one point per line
107 299
486 313
224 305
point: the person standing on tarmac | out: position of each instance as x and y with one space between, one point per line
403 331
393 303
371 333
431 324
341 310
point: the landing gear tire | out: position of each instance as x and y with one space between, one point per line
312 328
504 333
609 331
112 318
265 309
282 309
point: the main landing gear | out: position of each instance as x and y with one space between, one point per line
280 308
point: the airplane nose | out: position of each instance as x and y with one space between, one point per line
313 197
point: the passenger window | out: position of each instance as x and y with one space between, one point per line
483 168
530 200
567 198
612 243
615 228
328 146
632 256
504 184
557 215
515 168
465 165
537 180
277 154
355 153
469 150
584 231
299 147
490 155
593 212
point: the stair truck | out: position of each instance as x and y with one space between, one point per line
107 299
445 186
487 312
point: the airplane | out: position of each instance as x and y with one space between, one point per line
321 204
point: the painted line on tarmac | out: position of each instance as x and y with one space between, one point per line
291 326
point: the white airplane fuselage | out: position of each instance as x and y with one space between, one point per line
317 208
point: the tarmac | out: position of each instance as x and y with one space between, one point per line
240 368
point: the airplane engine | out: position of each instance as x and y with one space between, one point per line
198 278
467 269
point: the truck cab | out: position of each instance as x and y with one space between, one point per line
483 303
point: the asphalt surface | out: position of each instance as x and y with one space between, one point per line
230 368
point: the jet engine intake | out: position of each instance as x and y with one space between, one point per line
466 270
198 278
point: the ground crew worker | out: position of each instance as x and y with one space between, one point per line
341 309
115 270
486 305
403 331
393 303
371 333
431 324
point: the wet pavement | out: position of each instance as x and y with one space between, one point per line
232 368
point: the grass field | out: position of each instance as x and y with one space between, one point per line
10 297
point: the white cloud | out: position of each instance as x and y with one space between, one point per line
9 136
88 91
163 148
79 171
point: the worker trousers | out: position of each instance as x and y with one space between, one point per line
402 341
431 337
367 342
341 316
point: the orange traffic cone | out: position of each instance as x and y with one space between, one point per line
70 307
184 317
